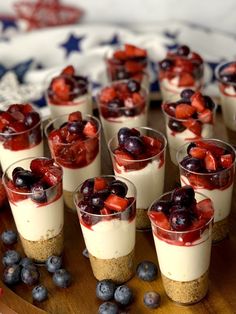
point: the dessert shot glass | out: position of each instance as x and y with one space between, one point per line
217 185
110 238
147 174
38 215
79 159
184 256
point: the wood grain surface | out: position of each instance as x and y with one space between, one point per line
80 297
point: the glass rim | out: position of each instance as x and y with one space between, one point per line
67 115
219 68
175 231
23 132
77 190
206 140
144 159
5 176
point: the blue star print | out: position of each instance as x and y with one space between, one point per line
8 23
113 41
20 69
72 44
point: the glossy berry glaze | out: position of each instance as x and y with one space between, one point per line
67 86
20 127
208 165
42 183
126 63
178 219
104 198
122 99
191 112
135 150
182 68
227 79
75 143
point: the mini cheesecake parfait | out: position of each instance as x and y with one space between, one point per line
138 154
182 226
209 167
180 69
20 134
226 76
34 191
122 104
75 144
67 92
107 210
128 62
188 119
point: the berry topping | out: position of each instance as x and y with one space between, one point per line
108 308
105 290
31 119
23 179
39 293
11 274
30 275
184 111
133 86
183 196
180 220
147 271
116 203
183 50
162 206
134 145
119 188
152 299
192 164
39 194
11 257
9 237
176 126
62 278
87 187
53 263
186 94
123 295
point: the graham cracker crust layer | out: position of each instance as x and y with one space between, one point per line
68 199
220 230
186 292
142 220
39 251
119 269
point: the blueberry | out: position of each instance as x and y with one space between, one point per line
38 192
23 179
119 188
176 126
133 86
134 145
170 108
183 51
87 187
187 93
162 206
108 308
31 119
226 78
105 290
17 169
53 263
75 127
11 257
25 261
96 200
191 145
123 295
11 274
183 196
192 164
180 220
9 237
152 299
114 107
39 293
123 134
166 64
62 278
84 207
30 275
147 271
209 103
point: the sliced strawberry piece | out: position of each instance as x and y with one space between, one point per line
160 219
69 70
133 51
197 101
38 165
90 129
226 160
206 116
100 184
198 152
117 203
199 181
213 148
5 119
196 57
52 175
60 88
26 108
193 126
138 99
205 209
123 158
120 55
133 67
18 142
107 94
186 79
105 211
210 161
75 116
184 111
230 69
152 142
18 126
186 67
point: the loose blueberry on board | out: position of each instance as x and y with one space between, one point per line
147 271
30 275
134 145
108 308
162 206
183 196
9 237
39 293
180 220
25 261
62 278
133 86
53 263
105 290
11 257
176 126
119 188
123 295
187 94
152 299
11 274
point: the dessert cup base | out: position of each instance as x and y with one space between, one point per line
220 230
68 199
186 292
39 251
142 220
119 269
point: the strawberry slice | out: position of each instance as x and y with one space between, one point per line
198 152
39 165
60 88
206 116
123 158
197 101
18 142
52 175
230 69
105 211
184 111
214 149
186 79
69 70
210 161
205 208
117 203
75 116
107 94
133 67
5 119
26 108
196 57
99 184
133 51
160 219
198 181
193 126
226 160
120 55
90 129
152 142
138 99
